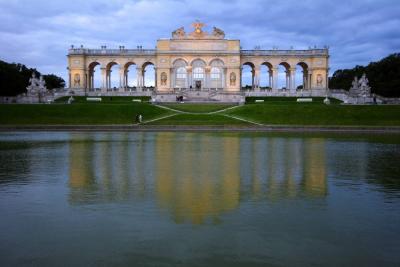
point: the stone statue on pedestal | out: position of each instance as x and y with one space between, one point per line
36 88
364 88
33 87
354 90
360 87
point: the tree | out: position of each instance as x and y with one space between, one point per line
383 76
14 78
53 81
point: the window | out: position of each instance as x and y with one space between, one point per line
215 73
181 73
198 73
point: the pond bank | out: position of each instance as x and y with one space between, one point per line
204 128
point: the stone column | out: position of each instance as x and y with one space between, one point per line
86 81
270 78
172 78
275 72
156 78
92 80
257 78
143 78
240 78
126 80
189 76
287 79
138 79
293 79
121 79
69 79
223 78
253 73
103 79
207 78
309 80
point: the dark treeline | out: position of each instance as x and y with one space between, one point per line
14 78
383 76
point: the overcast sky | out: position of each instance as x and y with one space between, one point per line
38 33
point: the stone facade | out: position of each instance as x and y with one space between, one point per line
197 60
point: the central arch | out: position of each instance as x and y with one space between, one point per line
198 74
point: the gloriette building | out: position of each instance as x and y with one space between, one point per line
200 61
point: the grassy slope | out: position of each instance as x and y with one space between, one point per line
319 114
121 110
198 108
199 119
93 113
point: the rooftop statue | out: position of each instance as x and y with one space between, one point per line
198 32
218 32
179 33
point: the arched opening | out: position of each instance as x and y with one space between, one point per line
181 77
130 76
198 74
94 79
149 76
284 76
180 74
266 77
248 70
217 76
112 78
302 76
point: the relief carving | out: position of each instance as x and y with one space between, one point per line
77 80
164 78
232 79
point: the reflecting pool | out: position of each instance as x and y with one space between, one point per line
199 199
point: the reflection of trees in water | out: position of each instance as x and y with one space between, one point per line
26 160
196 177
356 162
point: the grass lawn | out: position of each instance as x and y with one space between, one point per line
198 108
77 113
275 110
199 119
293 113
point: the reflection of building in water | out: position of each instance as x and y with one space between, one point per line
198 176
195 177
109 166
282 167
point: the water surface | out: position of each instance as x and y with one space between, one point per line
199 199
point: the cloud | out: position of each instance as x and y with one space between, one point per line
38 33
